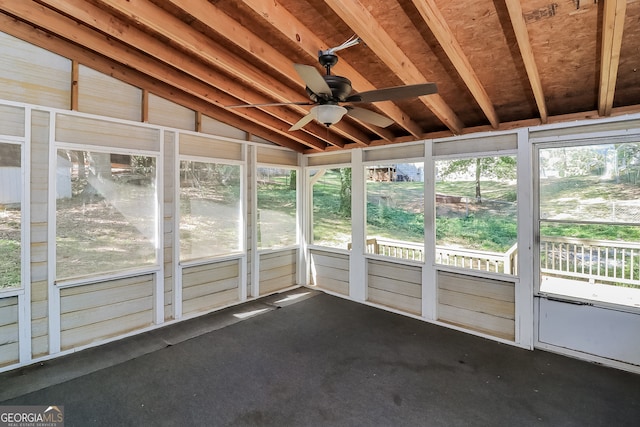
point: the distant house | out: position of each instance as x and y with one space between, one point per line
397 172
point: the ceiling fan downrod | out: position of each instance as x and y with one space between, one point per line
328 58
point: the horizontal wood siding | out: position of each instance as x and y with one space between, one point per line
277 157
277 270
82 130
206 287
330 271
577 130
479 304
395 285
201 146
216 127
33 75
101 94
98 311
343 157
166 113
399 151
493 143
9 351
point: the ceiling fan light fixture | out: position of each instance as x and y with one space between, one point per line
328 114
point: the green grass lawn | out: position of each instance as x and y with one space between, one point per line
9 263
395 211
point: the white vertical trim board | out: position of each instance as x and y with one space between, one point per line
244 182
357 264
177 268
524 282
429 273
253 194
305 211
24 300
54 293
159 238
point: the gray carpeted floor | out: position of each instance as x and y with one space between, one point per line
325 361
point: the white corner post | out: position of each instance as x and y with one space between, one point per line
357 261
429 278
524 284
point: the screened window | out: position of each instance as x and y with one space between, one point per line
589 204
277 207
395 210
331 200
10 215
210 209
476 213
106 212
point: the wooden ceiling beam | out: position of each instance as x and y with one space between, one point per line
61 25
526 52
159 21
289 26
94 17
260 49
360 20
612 28
52 43
440 29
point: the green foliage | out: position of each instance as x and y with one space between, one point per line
345 192
277 195
483 232
627 233
9 263
396 222
501 168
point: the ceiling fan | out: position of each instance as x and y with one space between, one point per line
328 91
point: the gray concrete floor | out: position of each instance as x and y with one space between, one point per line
320 360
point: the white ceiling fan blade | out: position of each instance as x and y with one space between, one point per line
369 116
313 79
303 121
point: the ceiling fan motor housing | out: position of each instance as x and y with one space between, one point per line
340 90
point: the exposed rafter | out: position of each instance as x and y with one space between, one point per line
440 29
206 55
612 27
97 18
288 25
59 24
356 15
203 48
104 65
522 35
231 30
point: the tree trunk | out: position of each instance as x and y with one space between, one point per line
478 173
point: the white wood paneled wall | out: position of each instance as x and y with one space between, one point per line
330 270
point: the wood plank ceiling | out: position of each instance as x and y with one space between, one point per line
498 64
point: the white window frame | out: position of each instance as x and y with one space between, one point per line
558 142
299 203
242 223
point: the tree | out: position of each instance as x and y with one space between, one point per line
482 167
292 180
345 191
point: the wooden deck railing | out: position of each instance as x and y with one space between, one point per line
595 260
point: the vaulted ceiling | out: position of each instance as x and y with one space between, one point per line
497 64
